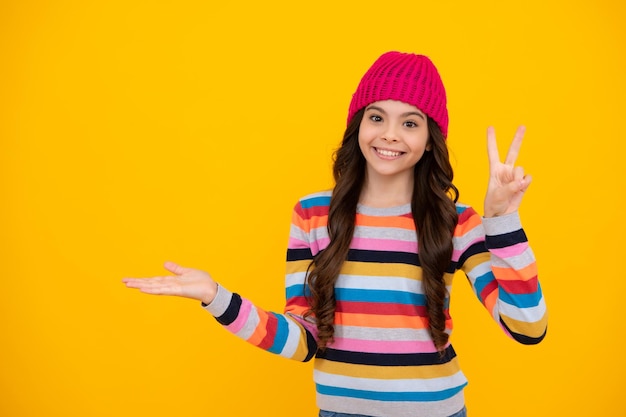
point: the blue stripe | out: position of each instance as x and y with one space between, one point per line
282 329
315 201
481 282
297 290
521 300
379 296
383 296
389 396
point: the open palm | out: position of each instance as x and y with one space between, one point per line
186 282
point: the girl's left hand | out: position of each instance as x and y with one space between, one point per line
507 182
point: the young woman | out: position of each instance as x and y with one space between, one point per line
370 263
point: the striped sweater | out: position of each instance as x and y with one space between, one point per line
382 361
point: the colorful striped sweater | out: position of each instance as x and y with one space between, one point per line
383 361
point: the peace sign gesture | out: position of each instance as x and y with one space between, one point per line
507 182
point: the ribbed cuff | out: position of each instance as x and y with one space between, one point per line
502 224
220 303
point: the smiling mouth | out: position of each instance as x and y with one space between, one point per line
388 153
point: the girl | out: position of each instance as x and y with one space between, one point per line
370 263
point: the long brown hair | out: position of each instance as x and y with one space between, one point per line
434 214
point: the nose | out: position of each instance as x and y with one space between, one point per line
389 135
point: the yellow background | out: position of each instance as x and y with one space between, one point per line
135 132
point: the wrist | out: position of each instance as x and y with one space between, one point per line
210 295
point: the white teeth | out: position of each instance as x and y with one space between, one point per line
385 152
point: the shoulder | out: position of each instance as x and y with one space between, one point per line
321 198
313 205
465 210
468 218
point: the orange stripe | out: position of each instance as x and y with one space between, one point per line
490 301
318 221
399 222
506 274
260 331
299 222
449 324
467 225
309 223
386 322
296 310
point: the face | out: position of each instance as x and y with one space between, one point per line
393 136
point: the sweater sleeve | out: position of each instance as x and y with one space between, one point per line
501 267
288 334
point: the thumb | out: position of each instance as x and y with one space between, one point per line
175 268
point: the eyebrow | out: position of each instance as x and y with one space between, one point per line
409 113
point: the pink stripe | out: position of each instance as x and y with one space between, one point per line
510 251
315 246
380 346
386 244
319 244
297 243
242 317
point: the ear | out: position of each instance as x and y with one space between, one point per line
429 145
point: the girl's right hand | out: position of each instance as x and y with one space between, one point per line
186 282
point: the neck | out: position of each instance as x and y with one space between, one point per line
387 191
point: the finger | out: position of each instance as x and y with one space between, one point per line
161 290
520 182
518 174
516 180
492 147
511 156
518 194
526 182
156 287
140 283
132 282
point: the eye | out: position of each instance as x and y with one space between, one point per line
376 118
410 123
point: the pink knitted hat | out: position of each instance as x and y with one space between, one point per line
410 78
